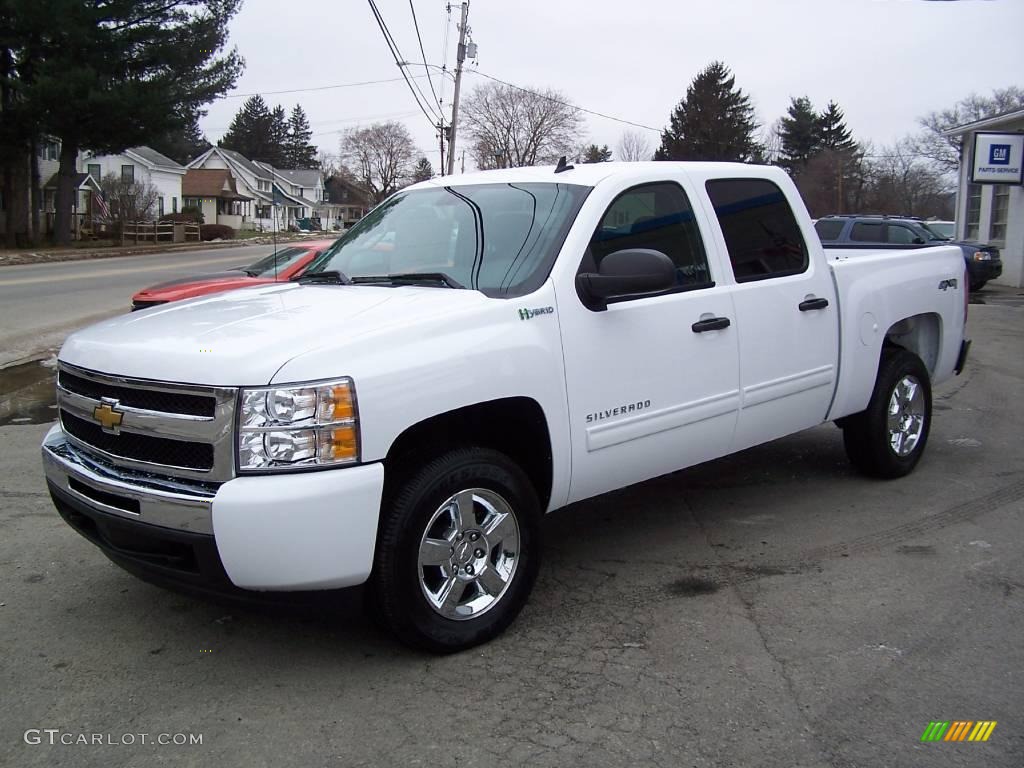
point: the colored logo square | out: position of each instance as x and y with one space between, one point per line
999 154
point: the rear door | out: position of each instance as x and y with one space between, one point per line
786 310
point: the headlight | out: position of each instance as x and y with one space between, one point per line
309 425
982 256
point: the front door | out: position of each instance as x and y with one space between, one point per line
650 389
786 311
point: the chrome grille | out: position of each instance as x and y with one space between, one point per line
174 430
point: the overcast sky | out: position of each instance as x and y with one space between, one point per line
885 61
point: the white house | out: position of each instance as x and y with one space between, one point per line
140 165
990 198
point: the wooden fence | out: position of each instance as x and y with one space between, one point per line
157 232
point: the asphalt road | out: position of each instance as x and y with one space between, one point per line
771 609
41 303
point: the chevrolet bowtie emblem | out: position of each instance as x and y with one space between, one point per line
108 416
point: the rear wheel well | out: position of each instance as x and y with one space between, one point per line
920 334
515 426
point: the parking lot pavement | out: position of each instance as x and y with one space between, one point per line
769 609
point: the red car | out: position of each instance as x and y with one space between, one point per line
288 263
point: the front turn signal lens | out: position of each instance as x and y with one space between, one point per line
338 445
336 404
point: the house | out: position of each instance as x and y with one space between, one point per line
84 208
990 199
354 201
141 165
214 192
280 196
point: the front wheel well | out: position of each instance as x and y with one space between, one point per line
515 426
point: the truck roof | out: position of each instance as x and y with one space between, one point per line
591 174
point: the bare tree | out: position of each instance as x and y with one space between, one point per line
512 127
129 201
944 150
771 141
380 156
903 182
634 147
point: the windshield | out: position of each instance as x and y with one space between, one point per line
501 239
266 267
939 231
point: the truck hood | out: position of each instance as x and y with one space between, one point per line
244 337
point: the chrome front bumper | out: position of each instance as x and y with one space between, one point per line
136 496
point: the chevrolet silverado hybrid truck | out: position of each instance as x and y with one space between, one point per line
477 351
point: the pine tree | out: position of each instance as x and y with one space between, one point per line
714 121
832 130
249 133
596 154
422 171
184 144
277 151
299 152
800 131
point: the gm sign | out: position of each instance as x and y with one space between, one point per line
998 158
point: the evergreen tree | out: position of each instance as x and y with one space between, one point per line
112 75
257 133
596 154
182 144
714 121
422 171
277 152
832 131
299 152
800 132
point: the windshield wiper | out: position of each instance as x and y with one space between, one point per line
429 278
331 277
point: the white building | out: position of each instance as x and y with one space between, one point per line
988 211
141 165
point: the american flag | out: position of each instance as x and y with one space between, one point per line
100 207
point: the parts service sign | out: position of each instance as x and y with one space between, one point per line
998 158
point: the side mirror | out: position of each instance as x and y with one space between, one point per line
631 272
919 241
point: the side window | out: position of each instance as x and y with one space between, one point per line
896 233
867 232
656 216
759 227
829 229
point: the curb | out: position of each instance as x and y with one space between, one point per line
47 257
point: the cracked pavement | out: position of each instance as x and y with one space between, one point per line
769 609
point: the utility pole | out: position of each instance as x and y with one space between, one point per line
461 57
440 133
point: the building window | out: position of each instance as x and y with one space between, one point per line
973 211
1000 211
174 205
95 171
128 174
160 207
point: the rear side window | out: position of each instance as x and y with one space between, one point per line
896 233
829 229
760 230
656 216
868 232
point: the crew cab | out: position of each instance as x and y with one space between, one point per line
899 232
477 351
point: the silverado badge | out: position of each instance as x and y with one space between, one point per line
108 416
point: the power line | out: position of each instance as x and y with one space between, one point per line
566 103
423 53
399 60
318 88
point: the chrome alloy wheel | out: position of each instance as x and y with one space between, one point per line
468 554
906 415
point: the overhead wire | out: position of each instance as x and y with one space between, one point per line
423 53
396 53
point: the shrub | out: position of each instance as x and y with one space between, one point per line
185 217
216 232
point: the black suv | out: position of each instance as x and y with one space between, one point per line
877 232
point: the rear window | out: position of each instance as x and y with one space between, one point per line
829 229
868 232
760 230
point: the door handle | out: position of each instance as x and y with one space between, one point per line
810 304
711 324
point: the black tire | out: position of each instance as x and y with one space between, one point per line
976 285
866 435
396 596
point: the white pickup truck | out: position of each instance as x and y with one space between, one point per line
477 351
